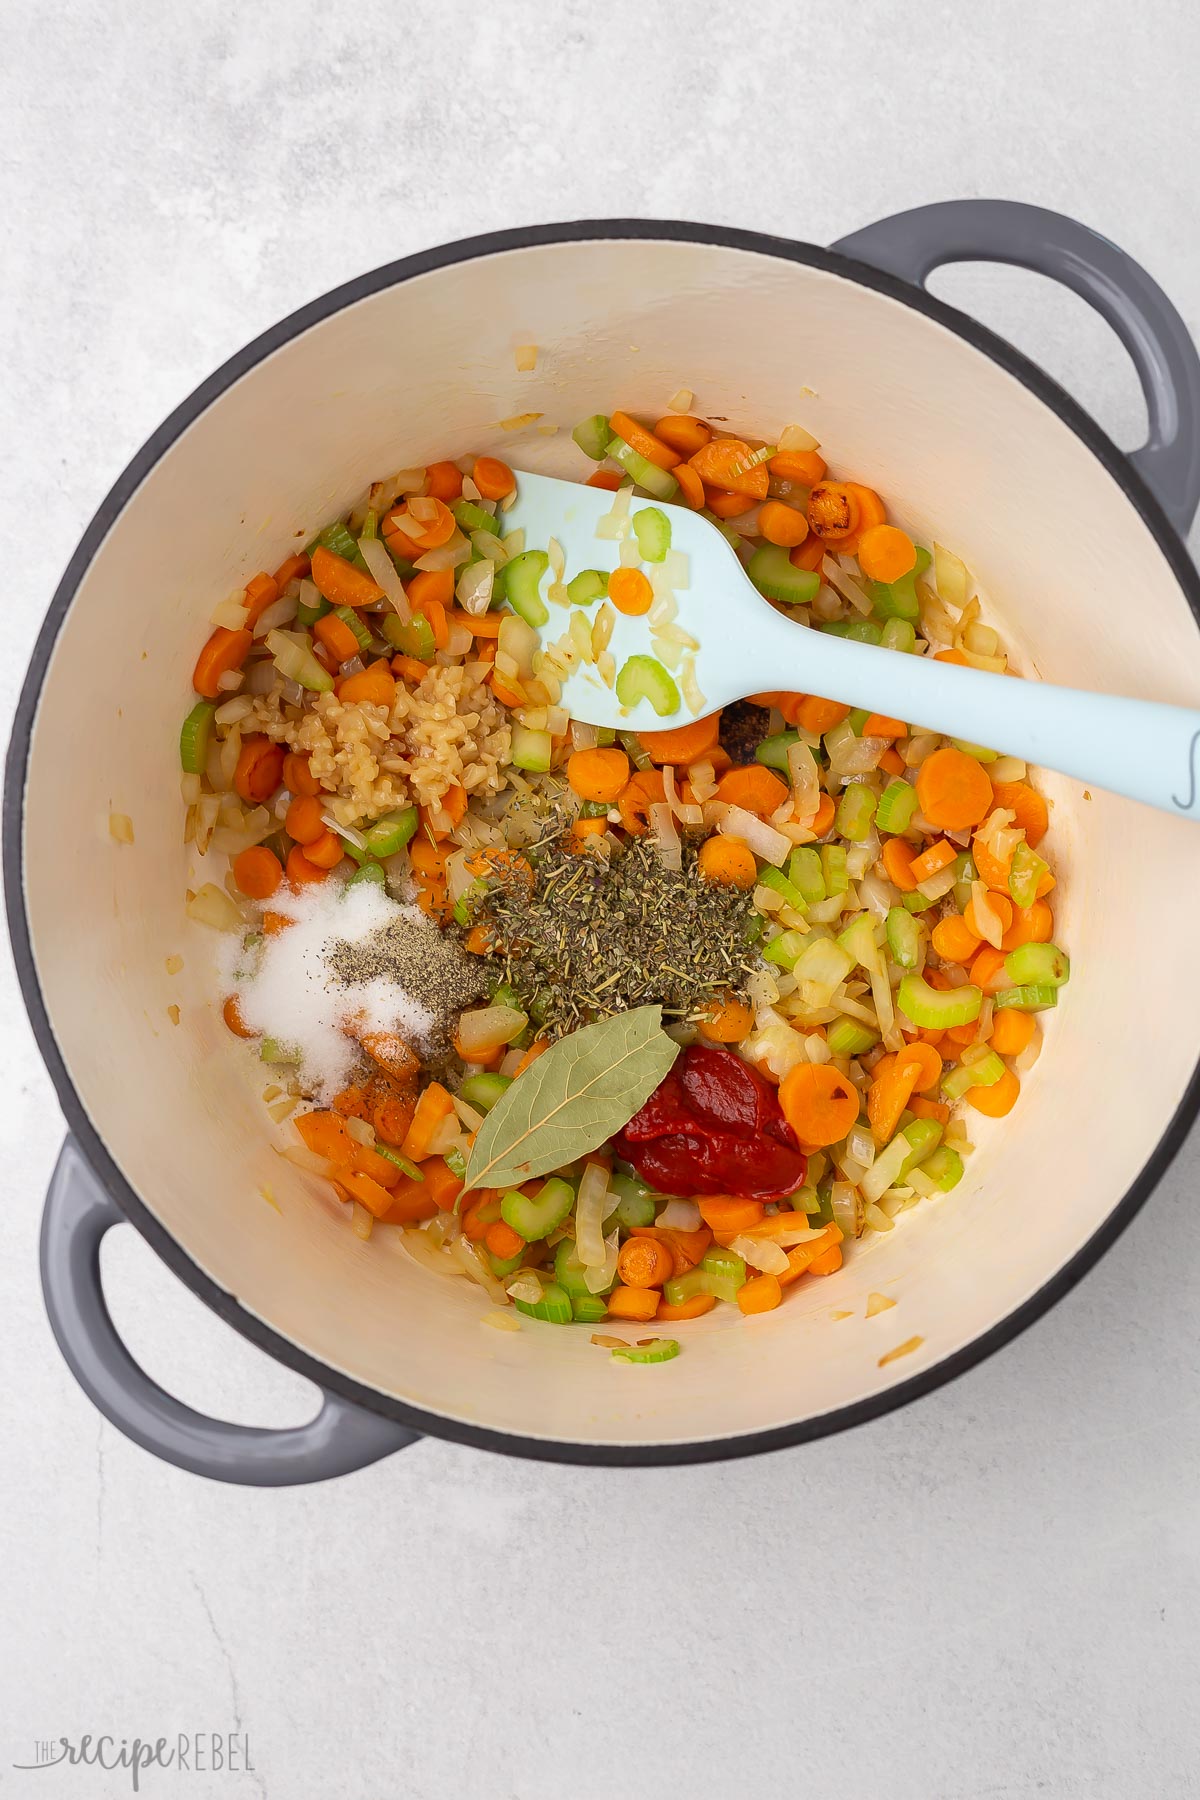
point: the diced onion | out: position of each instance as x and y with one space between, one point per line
596 1280
446 556
680 1215
794 437
667 841
517 641
230 613
458 639
584 737
422 1249
229 680
280 612
260 677
486 1028
761 1253
232 710
763 839
847 586
525 357
950 575
384 572
212 906
590 1207
120 828
690 688
681 401
474 589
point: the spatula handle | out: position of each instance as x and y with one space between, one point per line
1139 748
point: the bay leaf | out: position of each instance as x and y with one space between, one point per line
572 1099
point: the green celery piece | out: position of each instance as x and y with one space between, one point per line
916 902
1035 997
773 750
194 737
975 750
522 575
659 482
1024 875
1037 965
588 1309
785 949
779 883
898 634
482 1091
833 866
413 639
368 871
554 1306
661 1350
849 1037
592 436
933 1009
945 1167
531 750
897 805
857 718
413 1170
503 1266
270 1050
652 529
472 517
895 599
308 615
370 526
859 631
588 585
635 1203
631 743
726 1272
569 1271
904 938
775 575
392 832
339 538
534 1216
924 1136
644 678
856 812
984 1073
807 875
678 1289
806 1200
351 620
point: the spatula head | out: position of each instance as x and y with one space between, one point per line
718 607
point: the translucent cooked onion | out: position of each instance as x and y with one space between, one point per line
474 589
232 711
794 437
384 572
230 613
761 1253
280 612
212 906
487 1028
446 556
422 1249
458 639
260 678
584 737
987 917
689 687
856 756
229 681
680 1215
667 840
847 586
596 1280
950 575
525 1285
517 641
806 787
591 1204
763 839
683 810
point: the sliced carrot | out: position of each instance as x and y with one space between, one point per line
721 463
819 1103
654 449
801 1257
642 791
224 652
410 670
304 820
998 1099
988 972
687 1247
644 1263
952 656
727 1022
881 726
598 775
582 833
808 554
324 1133
1031 809
634 1303
953 790
339 582
391 1107
897 859
691 487
261 591
434 1106
755 788
486 625
539 1047
374 686
695 1308
828 1263
453 807
411 1201
630 592
685 744
444 481
728 862
885 553
953 940
962 1035
724 504
927 1063
933 860
257 872
298 777
833 511
679 431
889 1093
762 1293
725 1212
824 816
870 512
804 467
337 637
604 478
259 769
781 524
231 1012
1030 925
390 1054
817 715
993 870
494 479
1003 908
502 1240
1012 1031
929 1109
327 851
431 585
430 525
892 762
292 568
301 872
367 1191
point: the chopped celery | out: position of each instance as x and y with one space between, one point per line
773 750
270 1050
391 832
917 902
483 1091
857 719
595 809
824 964
534 1216
807 875
860 631
895 599
833 867
726 1272
588 1309
838 737
336 537
898 634
368 871
945 1167
635 1203
806 1200
1037 965
661 1350
592 436
678 1289
308 615
1034 997
975 750
775 575
984 1073
1025 875
194 737
502 1266
413 1170
351 620
849 1037
415 639
924 1136
659 482
644 678
472 517
896 807
521 577
631 743
652 529
777 881
531 750
588 585
904 938
292 652
855 813
785 949
569 1271
370 526
455 1161
554 1306
932 1009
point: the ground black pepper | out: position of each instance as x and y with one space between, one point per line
430 965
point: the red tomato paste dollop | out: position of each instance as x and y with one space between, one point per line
714 1126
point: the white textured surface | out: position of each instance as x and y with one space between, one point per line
1008 1569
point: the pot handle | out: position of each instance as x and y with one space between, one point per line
913 244
341 1438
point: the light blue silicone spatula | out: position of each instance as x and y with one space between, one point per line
1138 748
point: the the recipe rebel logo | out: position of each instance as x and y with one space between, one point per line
190 1752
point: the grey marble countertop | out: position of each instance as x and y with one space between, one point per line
1000 1593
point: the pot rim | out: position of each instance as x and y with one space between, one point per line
172 1252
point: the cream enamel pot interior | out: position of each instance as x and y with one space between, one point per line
413 362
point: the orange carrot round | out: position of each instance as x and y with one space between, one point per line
224 652
630 592
885 553
301 872
998 1099
598 775
646 443
727 1022
231 1012
897 859
1012 1031
833 511
753 787
1030 925
683 745
953 940
781 524
326 852
444 481
494 479
337 637
928 1064
819 1103
953 790
257 872
721 463
339 582
1029 806
695 1308
644 1263
259 769
726 1213
680 431
502 1240
805 467
762 1293
298 777
1003 908
690 485
375 685
639 1304
642 791
728 862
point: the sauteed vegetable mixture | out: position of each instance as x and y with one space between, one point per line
618 1027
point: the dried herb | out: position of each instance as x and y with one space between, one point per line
572 1099
596 937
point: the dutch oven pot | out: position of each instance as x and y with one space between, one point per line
1079 549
